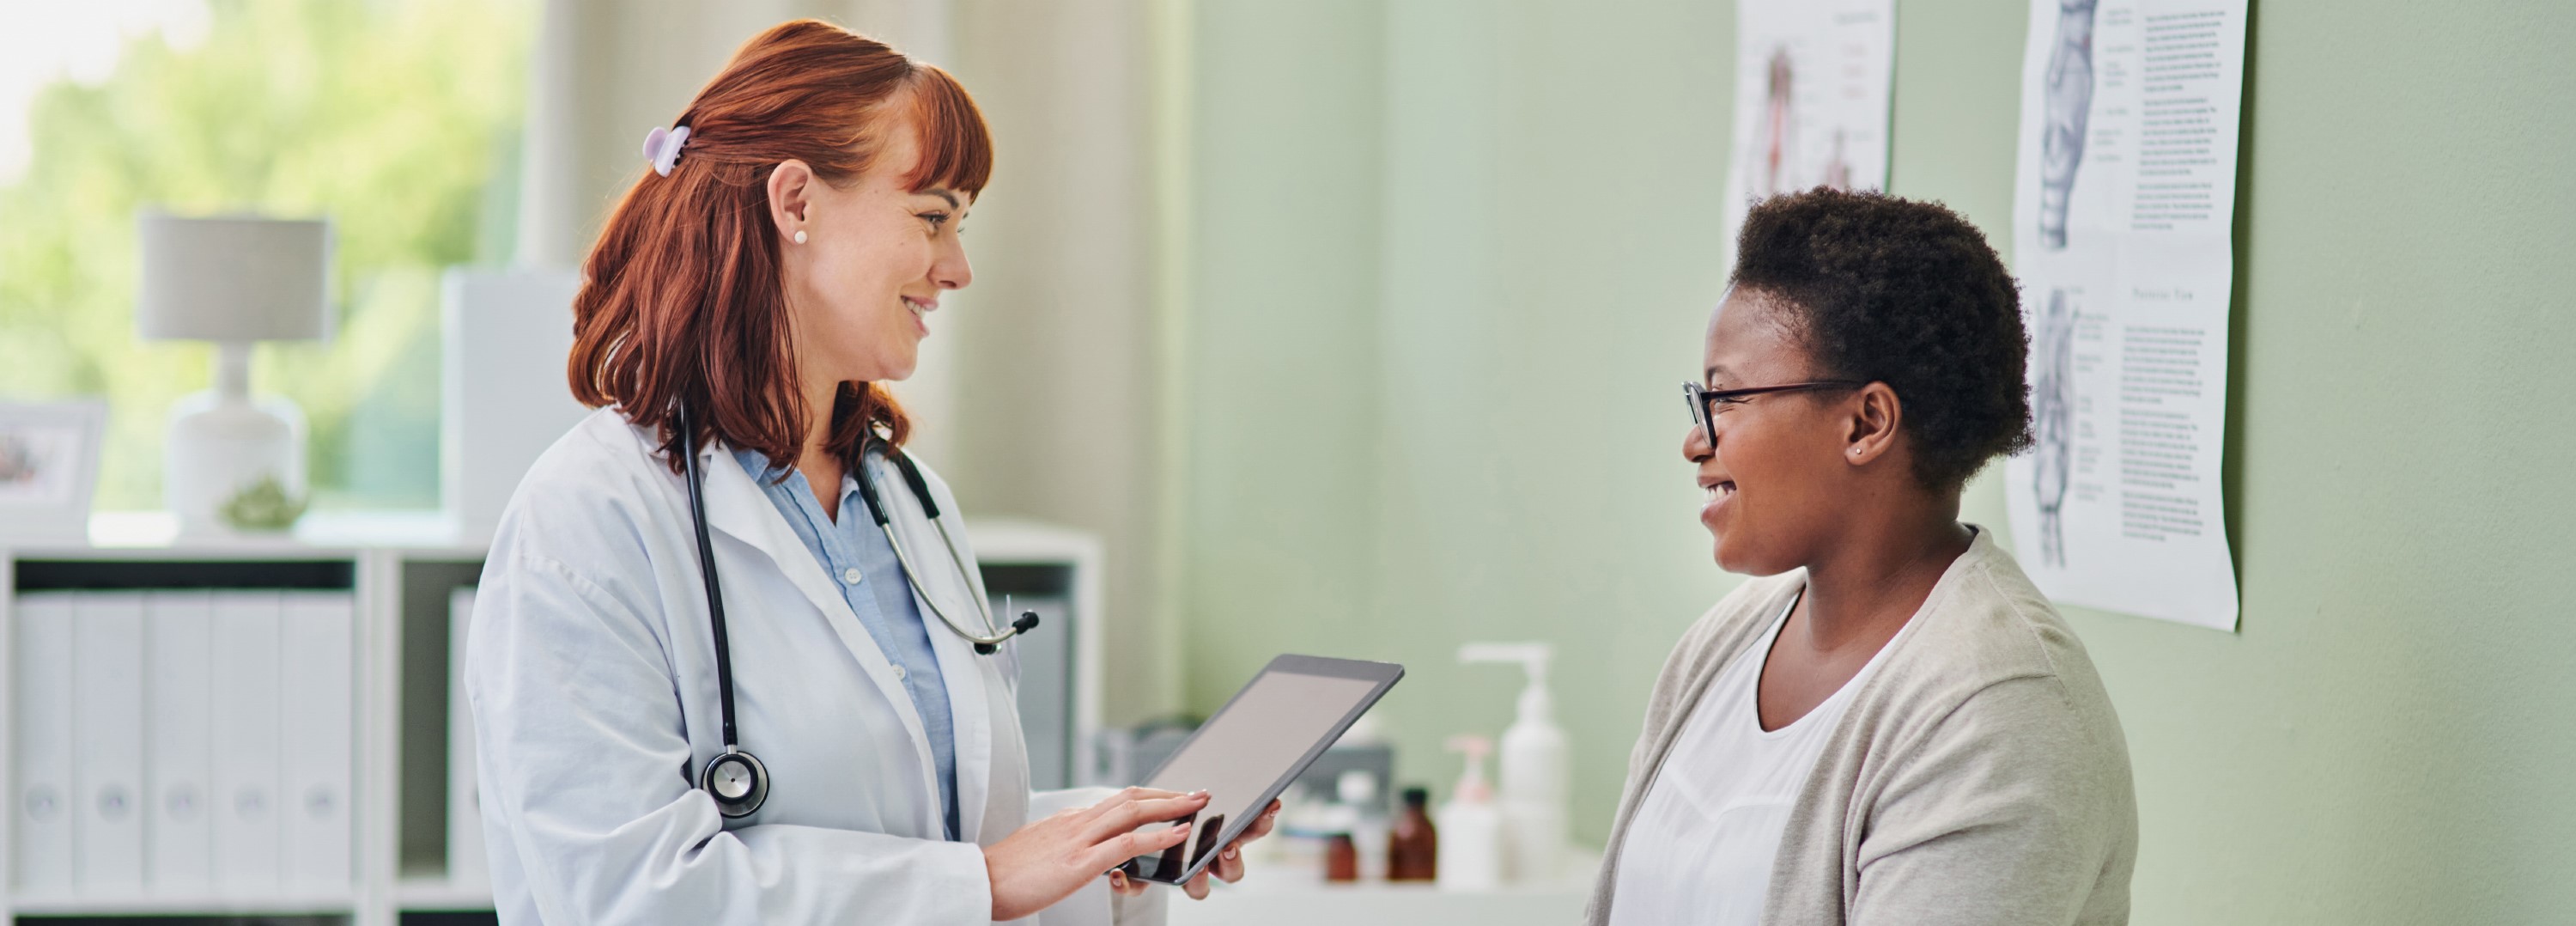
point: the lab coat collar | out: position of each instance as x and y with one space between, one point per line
969 708
738 508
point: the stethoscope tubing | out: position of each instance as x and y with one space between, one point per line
736 769
707 569
992 635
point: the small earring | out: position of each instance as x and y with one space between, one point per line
800 236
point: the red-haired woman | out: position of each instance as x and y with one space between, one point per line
746 300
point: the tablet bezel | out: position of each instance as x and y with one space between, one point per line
1384 675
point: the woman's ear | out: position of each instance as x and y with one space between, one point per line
791 186
1875 417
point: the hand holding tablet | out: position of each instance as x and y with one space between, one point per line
1250 751
1051 858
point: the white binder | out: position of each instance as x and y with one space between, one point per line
42 693
465 865
178 823
107 743
246 704
318 652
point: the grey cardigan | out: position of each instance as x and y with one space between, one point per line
1978 777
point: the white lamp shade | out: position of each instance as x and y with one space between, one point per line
233 279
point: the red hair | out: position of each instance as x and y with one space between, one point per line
681 299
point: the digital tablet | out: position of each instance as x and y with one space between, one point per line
1254 746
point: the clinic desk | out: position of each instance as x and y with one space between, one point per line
1293 900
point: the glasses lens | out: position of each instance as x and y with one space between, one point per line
1698 399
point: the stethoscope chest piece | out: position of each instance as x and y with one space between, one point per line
737 781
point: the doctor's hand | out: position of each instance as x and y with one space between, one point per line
1229 864
1048 860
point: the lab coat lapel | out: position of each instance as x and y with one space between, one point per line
737 507
971 682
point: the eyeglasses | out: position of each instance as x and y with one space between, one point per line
1703 402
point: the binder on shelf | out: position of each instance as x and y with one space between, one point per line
465 864
317 656
107 742
42 748
178 827
244 721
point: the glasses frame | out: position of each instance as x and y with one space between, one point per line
1703 400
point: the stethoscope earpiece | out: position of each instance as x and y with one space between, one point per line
1028 621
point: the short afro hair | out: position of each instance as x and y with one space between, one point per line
1882 289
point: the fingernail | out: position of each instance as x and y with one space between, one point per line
1229 852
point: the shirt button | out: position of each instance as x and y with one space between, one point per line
851 576
898 673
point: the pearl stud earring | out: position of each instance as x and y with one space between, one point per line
800 236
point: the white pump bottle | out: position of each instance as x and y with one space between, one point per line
1472 842
1534 787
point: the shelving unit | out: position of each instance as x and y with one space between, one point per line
400 700
286 566
409 589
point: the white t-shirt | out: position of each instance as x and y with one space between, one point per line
1700 848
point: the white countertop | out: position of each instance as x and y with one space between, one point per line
1295 899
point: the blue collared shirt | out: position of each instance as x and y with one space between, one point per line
856 556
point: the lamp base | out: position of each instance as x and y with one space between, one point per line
221 441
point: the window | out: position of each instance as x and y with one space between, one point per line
397 119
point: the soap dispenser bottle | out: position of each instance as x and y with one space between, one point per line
1534 787
1471 827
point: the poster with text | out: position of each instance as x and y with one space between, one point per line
1811 99
2124 197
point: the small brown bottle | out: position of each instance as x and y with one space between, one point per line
1341 858
1412 846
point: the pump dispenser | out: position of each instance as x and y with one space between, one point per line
1534 787
1471 828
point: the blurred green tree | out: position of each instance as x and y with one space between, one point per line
397 119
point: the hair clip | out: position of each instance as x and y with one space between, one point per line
662 148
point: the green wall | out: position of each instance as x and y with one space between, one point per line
1449 259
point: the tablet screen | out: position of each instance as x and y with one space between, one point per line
1256 741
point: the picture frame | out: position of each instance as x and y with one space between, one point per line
49 460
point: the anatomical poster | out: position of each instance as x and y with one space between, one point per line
2124 196
1811 99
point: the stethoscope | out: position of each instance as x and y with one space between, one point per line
736 779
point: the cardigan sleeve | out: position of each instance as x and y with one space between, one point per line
2009 814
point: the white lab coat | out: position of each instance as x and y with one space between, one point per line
591 672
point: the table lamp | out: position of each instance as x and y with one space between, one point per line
235 281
